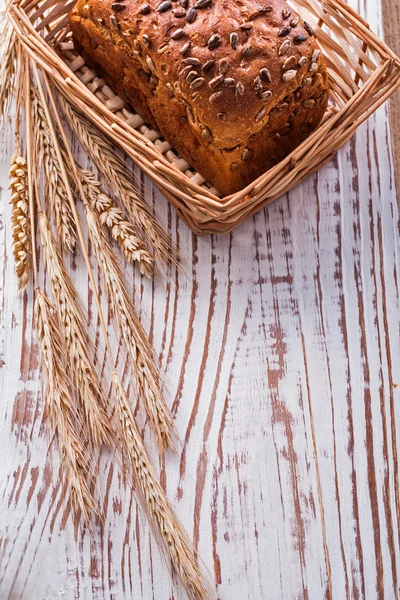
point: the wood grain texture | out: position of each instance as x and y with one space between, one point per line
281 348
391 27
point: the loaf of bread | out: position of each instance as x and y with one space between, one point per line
233 85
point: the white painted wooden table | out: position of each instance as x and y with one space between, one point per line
281 349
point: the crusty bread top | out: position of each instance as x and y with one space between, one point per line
259 51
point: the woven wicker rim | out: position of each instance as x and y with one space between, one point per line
363 73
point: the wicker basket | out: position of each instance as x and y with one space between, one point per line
363 72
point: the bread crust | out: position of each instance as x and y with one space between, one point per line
233 85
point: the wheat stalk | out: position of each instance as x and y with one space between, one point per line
76 339
60 408
8 42
139 348
156 502
57 197
120 228
118 180
21 229
67 334
136 341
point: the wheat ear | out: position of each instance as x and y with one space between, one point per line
120 228
21 229
8 42
165 523
60 407
139 349
155 501
75 338
60 210
118 180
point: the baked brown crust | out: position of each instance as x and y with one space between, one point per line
263 92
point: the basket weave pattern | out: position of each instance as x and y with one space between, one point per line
363 73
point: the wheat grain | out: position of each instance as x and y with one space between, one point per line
140 352
118 180
57 197
155 502
120 228
60 407
21 228
76 339
8 42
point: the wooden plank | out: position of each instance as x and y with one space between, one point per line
391 27
281 349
